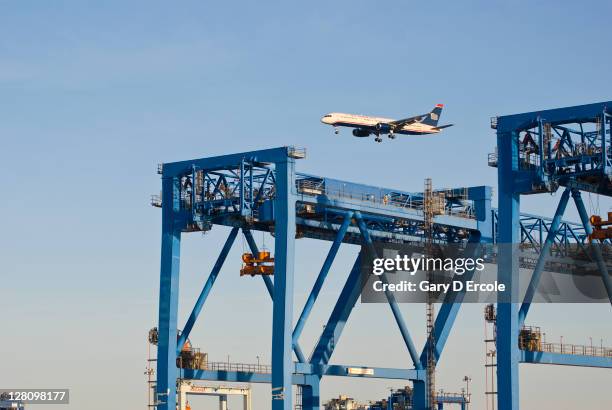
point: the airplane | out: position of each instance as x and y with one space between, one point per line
365 126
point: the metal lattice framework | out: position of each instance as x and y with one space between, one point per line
261 191
540 152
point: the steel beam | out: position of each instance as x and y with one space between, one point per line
272 155
339 316
510 123
307 369
509 238
545 249
445 318
282 311
314 293
566 359
367 372
197 308
311 394
168 295
601 264
238 376
397 314
269 286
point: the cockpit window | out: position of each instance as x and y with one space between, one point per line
326 116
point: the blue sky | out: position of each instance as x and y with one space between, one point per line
94 95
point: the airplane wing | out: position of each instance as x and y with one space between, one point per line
407 121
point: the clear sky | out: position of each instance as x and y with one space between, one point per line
94 94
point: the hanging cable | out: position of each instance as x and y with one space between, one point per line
263 241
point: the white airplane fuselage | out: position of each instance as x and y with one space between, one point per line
376 124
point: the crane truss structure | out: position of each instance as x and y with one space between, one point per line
543 151
261 191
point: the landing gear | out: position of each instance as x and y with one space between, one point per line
391 136
336 131
378 139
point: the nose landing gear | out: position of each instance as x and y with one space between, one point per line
336 131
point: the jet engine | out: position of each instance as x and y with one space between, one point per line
361 132
383 128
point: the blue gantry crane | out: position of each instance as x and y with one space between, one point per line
564 149
261 191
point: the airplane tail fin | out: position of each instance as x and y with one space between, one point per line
434 116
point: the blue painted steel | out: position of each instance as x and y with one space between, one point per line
584 217
508 267
239 377
259 190
534 227
420 395
566 359
579 158
571 151
481 197
311 394
604 153
197 308
270 287
314 293
241 184
335 324
263 183
308 370
299 353
508 123
397 314
168 295
537 272
445 318
394 212
271 155
343 370
282 312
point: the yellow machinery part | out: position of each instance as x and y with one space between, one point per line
602 229
263 264
530 338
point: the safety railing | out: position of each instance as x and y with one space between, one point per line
296 153
317 187
239 367
581 350
453 397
